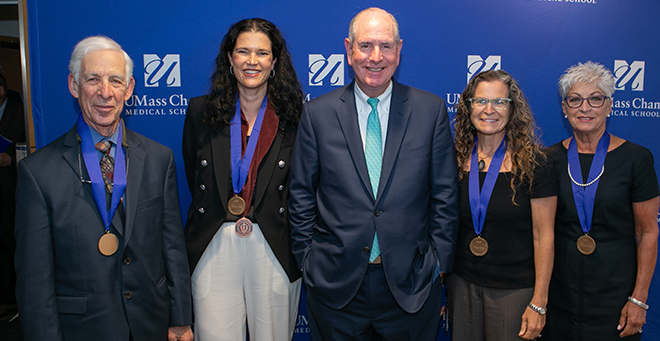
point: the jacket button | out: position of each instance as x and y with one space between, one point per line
281 210
204 163
201 210
280 188
377 212
128 294
366 250
202 187
127 260
281 164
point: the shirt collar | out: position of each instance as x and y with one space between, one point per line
97 137
383 98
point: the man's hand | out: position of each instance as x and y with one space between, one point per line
179 333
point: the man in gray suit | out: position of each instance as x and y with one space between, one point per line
100 251
373 205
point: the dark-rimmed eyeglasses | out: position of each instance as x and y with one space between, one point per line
595 101
497 103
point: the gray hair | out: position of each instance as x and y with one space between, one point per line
351 27
92 44
587 73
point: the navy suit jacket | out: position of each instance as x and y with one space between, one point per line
333 212
68 290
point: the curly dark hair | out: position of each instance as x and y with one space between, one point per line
527 151
284 89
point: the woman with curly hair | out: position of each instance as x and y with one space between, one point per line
507 202
237 144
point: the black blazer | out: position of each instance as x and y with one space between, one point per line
206 155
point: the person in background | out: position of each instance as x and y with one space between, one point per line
606 232
12 128
237 145
507 202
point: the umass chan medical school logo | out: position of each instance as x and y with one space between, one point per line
629 74
166 69
632 102
476 64
330 69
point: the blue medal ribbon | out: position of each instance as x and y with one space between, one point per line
94 170
479 200
585 196
240 166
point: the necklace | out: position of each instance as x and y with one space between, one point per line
482 163
590 182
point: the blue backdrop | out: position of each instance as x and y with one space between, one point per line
174 43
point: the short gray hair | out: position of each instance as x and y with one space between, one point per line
351 27
92 44
587 73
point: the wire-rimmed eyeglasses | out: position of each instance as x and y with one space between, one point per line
500 104
595 101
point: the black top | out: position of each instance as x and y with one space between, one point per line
509 262
587 293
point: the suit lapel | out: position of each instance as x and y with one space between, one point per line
71 155
220 146
135 159
264 174
348 121
398 122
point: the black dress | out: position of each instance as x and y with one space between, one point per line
587 293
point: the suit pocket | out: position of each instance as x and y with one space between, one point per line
161 282
72 305
422 245
148 203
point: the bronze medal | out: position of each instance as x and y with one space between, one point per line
108 244
586 245
243 227
236 205
479 246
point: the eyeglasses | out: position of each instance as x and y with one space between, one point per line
497 103
594 101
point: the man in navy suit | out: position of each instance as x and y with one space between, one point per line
101 256
373 203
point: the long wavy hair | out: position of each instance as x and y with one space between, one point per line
284 89
524 145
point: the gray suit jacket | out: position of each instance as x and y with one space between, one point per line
68 290
333 212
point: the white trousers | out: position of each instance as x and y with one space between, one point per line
239 281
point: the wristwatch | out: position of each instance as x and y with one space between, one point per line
540 310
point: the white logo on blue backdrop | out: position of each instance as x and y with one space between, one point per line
320 68
632 73
476 64
156 68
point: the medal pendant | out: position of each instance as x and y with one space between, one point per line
478 246
243 227
481 165
586 245
236 205
108 244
